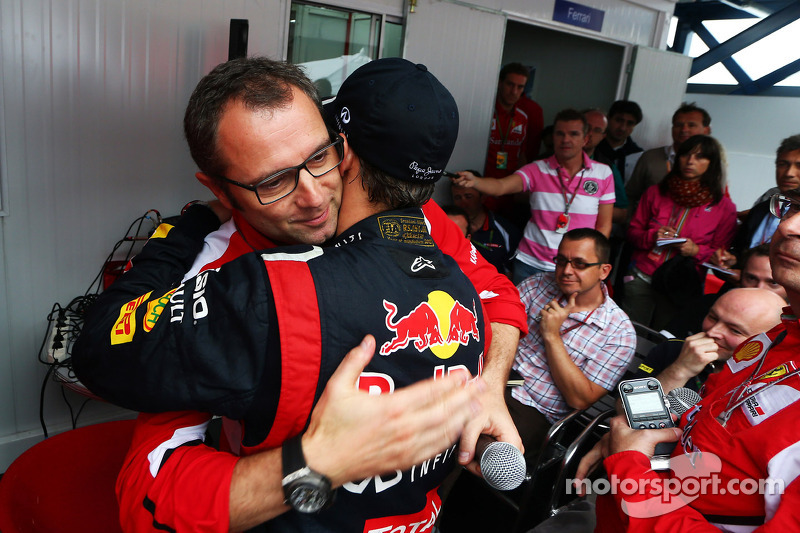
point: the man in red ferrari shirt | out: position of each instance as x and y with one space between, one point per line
735 467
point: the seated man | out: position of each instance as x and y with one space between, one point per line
579 342
735 316
756 273
495 238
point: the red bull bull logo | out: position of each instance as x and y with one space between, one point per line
423 326
463 323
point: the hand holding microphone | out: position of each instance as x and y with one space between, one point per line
502 464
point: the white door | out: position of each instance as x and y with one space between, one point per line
657 82
463 48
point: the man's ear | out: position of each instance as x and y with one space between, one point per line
214 186
350 161
605 270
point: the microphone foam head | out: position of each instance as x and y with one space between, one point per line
682 399
503 466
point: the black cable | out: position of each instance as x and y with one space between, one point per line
41 400
74 314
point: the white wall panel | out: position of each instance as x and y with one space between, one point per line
463 54
658 85
93 94
751 129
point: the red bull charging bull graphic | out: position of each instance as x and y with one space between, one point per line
423 326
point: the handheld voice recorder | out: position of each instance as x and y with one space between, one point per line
647 408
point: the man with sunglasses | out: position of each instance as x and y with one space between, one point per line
738 443
187 350
579 341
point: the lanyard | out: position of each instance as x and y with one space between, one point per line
489 244
579 323
564 191
504 136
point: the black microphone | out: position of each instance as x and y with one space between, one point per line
682 399
502 465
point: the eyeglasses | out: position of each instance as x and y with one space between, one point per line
782 206
282 183
577 264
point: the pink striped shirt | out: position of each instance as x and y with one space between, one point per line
595 186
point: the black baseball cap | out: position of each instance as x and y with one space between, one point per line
398 117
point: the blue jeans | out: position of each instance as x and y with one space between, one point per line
523 271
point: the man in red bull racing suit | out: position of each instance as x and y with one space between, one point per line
176 319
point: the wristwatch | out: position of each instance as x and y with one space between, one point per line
305 490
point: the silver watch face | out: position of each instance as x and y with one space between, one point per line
308 499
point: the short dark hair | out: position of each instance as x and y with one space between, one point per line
392 192
762 250
566 115
714 177
454 210
693 108
789 144
602 247
626 106
259 82
514 68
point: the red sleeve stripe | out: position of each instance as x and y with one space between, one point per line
301 346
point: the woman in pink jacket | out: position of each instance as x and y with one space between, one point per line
688 215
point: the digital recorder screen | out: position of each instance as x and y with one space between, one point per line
646 402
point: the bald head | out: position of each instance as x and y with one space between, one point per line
739 314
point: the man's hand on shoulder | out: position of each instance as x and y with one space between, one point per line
354 435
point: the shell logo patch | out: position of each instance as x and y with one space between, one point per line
748 351
125 326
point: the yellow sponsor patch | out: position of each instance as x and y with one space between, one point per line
154 310
776 372
161 231
125 326
644 368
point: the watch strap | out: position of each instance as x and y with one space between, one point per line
292 456
297 476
